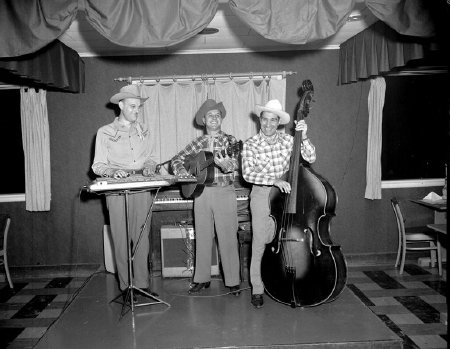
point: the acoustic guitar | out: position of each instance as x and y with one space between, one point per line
201 166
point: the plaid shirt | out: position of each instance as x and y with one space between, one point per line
202 143
263 162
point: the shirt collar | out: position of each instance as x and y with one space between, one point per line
217 135
135 125
270 140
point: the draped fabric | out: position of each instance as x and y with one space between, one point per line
170 110
149 23
407 17
55 66
33 24
374 142
374 51
293 21
29 25
36 146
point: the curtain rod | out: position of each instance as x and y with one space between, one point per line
175 78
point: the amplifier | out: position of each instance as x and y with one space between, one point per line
178 251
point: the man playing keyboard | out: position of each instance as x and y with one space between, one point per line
122 148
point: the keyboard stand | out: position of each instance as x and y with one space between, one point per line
131 289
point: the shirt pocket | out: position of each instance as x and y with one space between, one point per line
114 139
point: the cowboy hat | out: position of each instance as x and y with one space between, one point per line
209 104
274 106
128 91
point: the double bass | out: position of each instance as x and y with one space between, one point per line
302 267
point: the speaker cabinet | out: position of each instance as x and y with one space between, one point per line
178 251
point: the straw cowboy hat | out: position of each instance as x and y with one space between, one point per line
274 106
128 91
209 104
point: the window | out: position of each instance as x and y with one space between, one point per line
415 127
12 177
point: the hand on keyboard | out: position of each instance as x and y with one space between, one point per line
120 174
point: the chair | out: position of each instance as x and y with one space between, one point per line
414 239
5 221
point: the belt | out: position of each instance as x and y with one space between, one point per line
263 185
219 184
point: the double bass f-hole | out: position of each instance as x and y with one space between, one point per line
309 234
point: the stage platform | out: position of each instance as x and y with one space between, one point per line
213 319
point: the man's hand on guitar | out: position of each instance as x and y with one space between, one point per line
224 162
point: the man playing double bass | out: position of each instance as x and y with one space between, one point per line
265 159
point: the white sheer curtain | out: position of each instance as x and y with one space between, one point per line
170 110
374 140
36 147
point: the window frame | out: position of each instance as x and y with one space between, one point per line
412 183
13 197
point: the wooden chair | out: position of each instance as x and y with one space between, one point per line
419 238
5 221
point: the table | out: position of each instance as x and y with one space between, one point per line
441 228
440 222
438 206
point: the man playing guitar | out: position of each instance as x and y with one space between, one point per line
215 204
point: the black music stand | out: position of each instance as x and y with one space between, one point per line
129 298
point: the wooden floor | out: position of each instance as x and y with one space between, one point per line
378 309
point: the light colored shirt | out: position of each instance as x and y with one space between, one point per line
221 142
120 147
265 159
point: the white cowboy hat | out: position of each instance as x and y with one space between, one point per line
128 91
274 106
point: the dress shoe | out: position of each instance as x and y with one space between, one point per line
198 286
235 290
257 300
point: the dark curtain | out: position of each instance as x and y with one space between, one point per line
374 51
55 66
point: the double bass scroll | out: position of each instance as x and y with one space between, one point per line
302 267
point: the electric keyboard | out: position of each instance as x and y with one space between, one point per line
137 182
170 199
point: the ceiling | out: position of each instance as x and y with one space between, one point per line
233 36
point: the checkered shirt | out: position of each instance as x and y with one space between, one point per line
263 163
